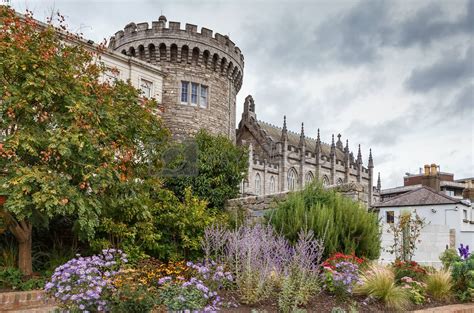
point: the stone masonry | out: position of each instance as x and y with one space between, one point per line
186 55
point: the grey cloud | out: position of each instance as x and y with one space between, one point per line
463 102
446 72
431 23
355 38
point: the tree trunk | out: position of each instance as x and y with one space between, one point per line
25 263
22 231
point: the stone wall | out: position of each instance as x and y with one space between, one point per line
257 206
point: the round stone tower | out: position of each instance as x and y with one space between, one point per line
203 73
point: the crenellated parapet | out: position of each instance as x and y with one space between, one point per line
159 43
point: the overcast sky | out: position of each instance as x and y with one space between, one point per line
397 77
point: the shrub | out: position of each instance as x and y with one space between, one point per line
344 224
379 283
10 278
463 278
409 269
220 167
439 285
448 257
82 283
415 289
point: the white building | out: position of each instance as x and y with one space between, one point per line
450 222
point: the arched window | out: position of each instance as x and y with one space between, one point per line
339 181
292 177
308 178
174 53
325 180
184 54
223 64
131 51
152 52
141 52
272 184
195 55
215 59
162 52
257 184
205 57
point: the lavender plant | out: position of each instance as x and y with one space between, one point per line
260 259
83 282
301 280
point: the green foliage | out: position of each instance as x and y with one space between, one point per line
379 283
72 144
463 278
220 167
169 229
297 289
176 298
344 224
449 257
140 299
8 251
416 290
439 285
181 226
12 278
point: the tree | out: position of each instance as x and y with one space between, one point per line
69 142
216 176
406 233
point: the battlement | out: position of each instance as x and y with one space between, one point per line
158 30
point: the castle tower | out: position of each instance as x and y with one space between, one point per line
203 73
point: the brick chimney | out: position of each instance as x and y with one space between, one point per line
468 192
431 177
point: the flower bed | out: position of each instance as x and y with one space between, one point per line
253 267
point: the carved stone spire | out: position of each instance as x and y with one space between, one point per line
346 148
339 142
302 137
318 145
333 147
359 157
379 183
284 131
371 161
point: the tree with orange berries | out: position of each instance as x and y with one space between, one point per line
69 143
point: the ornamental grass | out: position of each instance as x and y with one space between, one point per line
439 285
379 282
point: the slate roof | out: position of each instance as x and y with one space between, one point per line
420 196
274 132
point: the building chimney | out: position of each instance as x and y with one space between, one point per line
431 178
434 169
427 170
468 192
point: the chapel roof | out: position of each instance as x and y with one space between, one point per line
274 132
